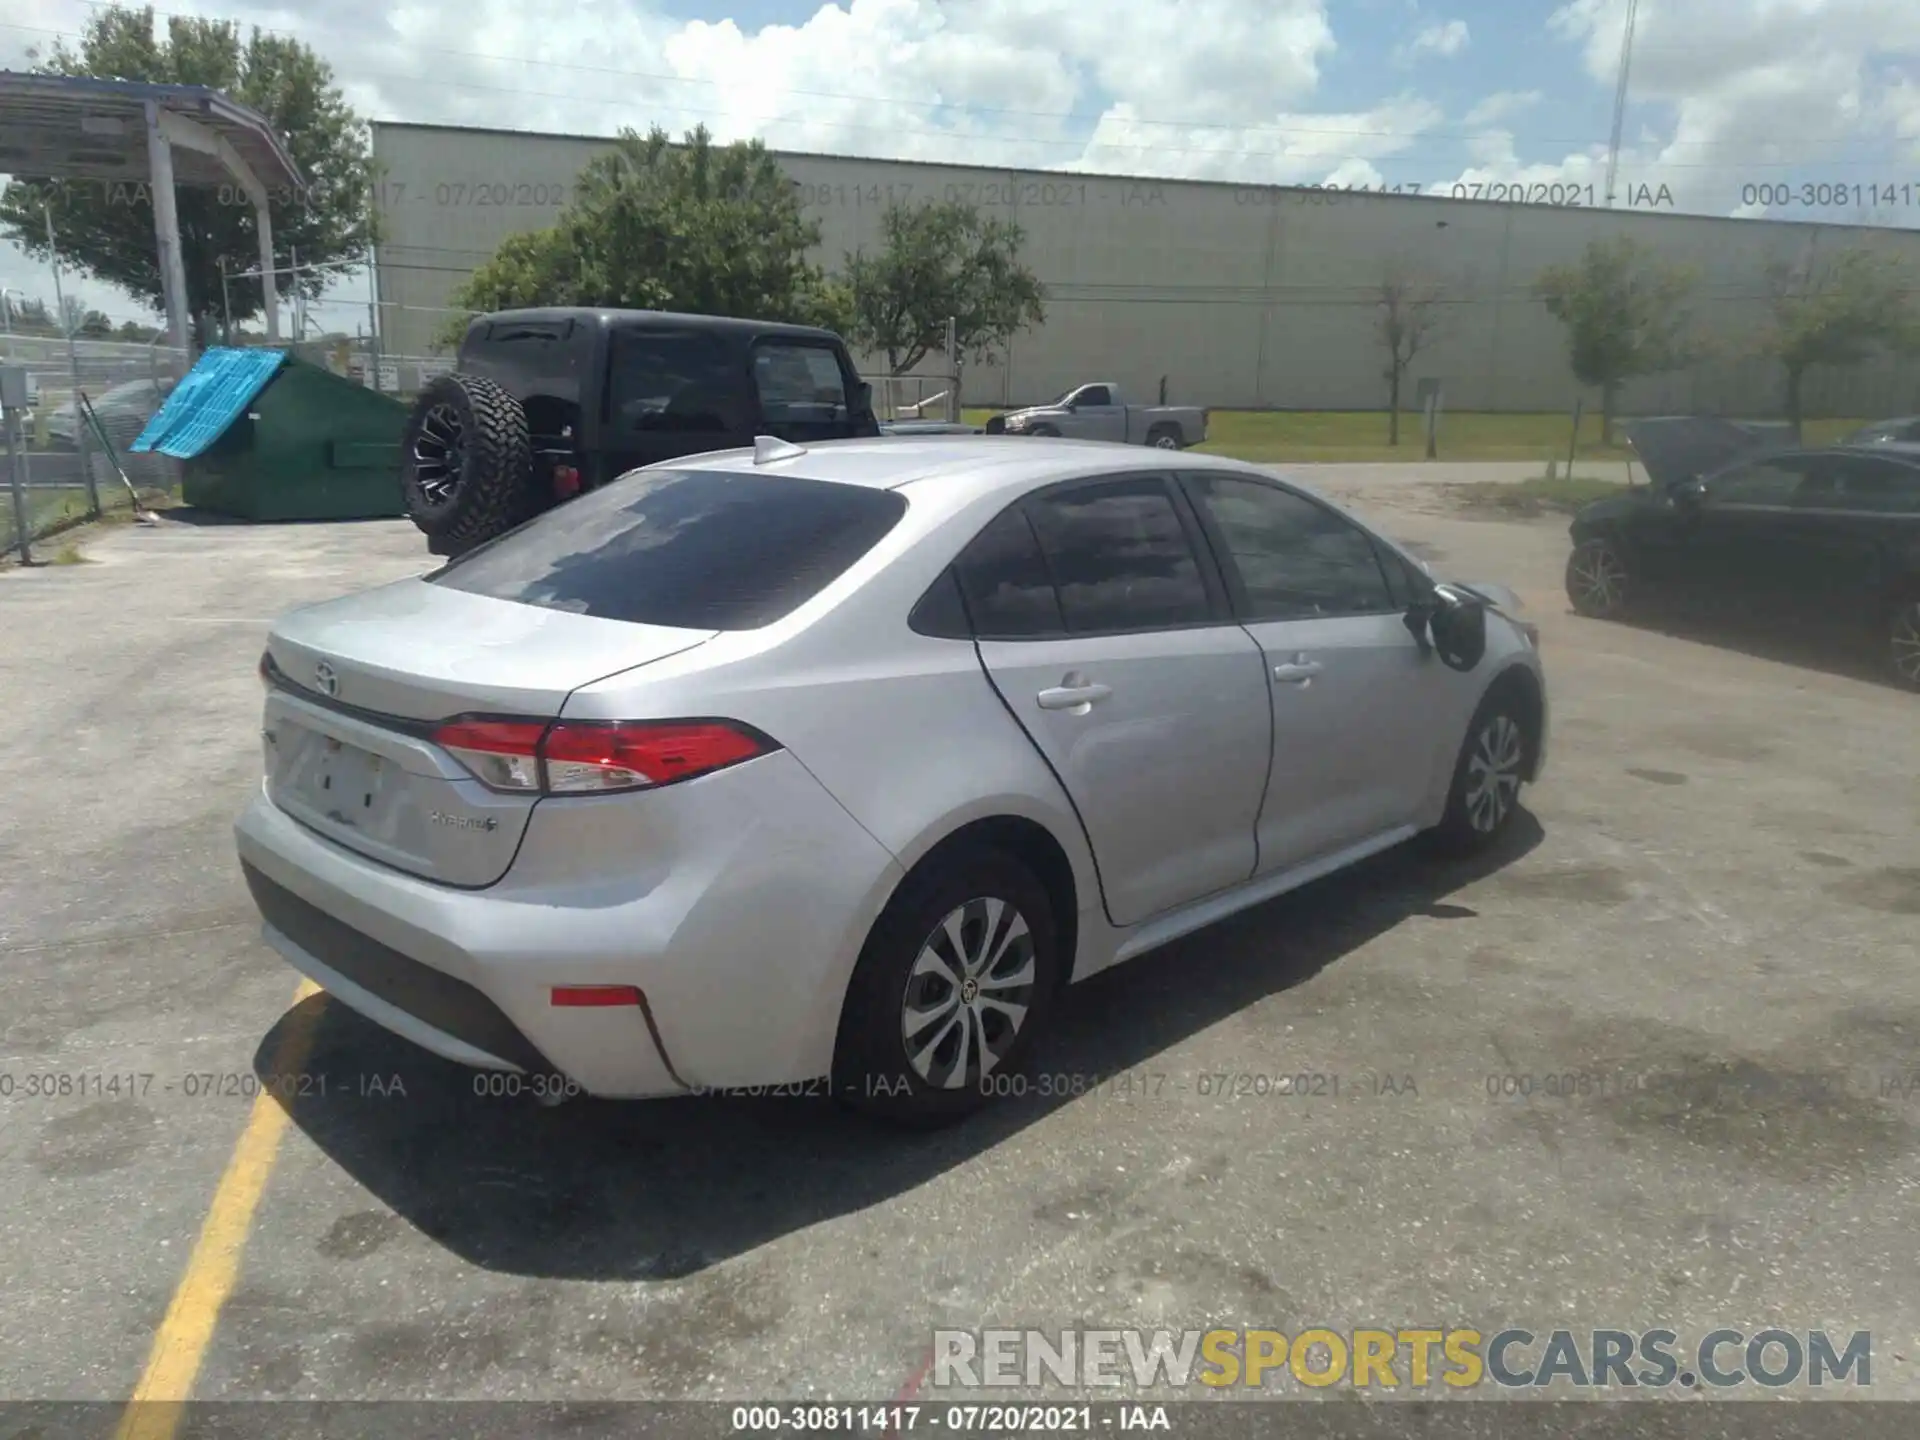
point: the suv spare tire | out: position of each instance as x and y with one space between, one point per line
466 461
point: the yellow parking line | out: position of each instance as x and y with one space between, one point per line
180 1344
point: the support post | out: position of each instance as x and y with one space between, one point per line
82 440
166 229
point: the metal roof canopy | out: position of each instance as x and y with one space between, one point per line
73 127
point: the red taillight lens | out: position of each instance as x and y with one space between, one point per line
587 757
594 996
502 754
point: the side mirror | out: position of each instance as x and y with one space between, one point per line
1457 624
1690 491
863 397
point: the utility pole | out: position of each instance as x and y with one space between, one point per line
226 304
1620 98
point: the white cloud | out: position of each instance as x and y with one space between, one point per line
1444 40
1502 105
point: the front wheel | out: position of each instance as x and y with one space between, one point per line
1903 644
950 992
1598 579
1485 794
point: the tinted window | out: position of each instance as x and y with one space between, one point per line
799 383
677 380
1095 395
706 550
1296 559
1120 557
1764 483
1009 592
1870 486
1405 582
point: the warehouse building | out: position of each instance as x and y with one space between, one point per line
1233 296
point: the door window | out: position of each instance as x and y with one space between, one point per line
1003 576
1764 482
1877 487
1295 559
1120 557
677 381
1094 395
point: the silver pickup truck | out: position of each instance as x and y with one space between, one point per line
1100 412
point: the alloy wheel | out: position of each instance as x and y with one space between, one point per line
1165 442
968 993
1493 773
439 452
1598 578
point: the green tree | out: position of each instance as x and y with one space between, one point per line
941 260
106 230
1407 322
1626 316
133 330
1839 311
96 326
696 227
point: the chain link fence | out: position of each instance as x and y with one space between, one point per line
54 453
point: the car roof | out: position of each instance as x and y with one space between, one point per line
600 316
983 464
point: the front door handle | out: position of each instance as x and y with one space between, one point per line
1072 697
1296 672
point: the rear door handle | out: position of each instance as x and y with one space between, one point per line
1071 697
1296 672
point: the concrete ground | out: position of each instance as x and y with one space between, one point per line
1709 920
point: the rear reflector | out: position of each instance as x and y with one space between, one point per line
594 995
589 757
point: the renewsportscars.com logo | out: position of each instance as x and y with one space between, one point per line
1383 1359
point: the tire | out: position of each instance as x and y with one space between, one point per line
1165 437
1045 432
1499 739
466 466
1598 580
1903 643
886 1067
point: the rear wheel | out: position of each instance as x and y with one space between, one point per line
950 992
466 461
1903 643
1598 579
1164 437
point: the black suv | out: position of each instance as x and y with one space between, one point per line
543 404
1824 537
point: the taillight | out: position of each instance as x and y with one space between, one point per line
265 668
593 757
566 482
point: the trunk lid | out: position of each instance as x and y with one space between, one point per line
363 682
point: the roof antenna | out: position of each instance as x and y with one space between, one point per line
767 447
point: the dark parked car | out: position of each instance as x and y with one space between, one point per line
1823 537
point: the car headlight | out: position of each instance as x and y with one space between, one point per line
1017 423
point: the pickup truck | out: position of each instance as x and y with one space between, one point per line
1100 412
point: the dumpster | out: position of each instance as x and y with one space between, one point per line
263 435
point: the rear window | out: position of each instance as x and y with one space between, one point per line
695 549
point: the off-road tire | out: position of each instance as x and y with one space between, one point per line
488 487
872 1068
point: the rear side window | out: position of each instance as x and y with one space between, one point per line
1004 577
694 549
1120 557
676 380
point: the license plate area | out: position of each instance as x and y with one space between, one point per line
335 779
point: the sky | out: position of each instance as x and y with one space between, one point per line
1811 104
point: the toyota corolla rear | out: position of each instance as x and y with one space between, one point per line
644 904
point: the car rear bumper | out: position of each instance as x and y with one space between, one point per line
740 945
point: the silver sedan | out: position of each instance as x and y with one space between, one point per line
828 770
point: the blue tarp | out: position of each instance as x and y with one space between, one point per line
210 399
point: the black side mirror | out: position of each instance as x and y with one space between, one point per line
1456 623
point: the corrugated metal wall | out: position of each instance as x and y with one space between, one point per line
1240 296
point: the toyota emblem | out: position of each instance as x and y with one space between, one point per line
325 680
